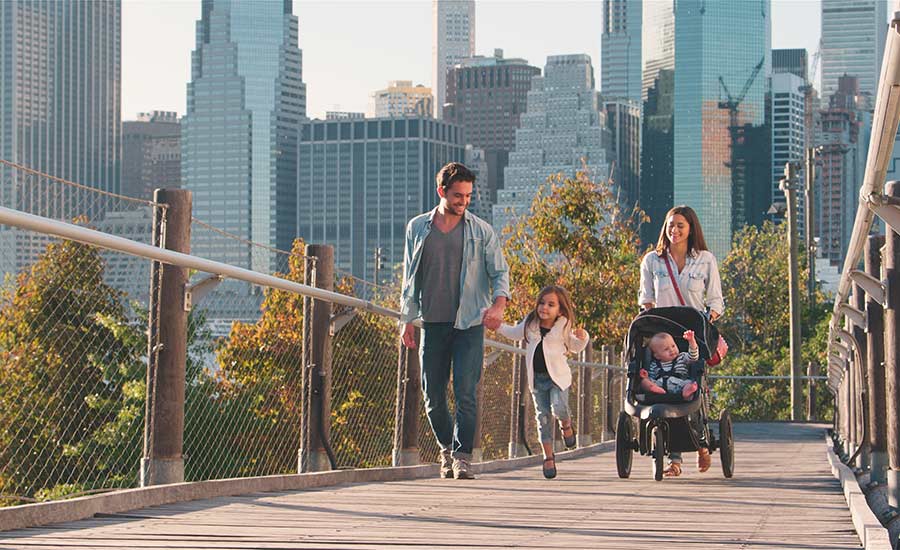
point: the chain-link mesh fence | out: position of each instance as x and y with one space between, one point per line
244 366
73 342
76 340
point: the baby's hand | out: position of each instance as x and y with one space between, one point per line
643 373
689 336
580 333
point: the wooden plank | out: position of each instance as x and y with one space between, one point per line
782 494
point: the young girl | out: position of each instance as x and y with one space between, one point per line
549 332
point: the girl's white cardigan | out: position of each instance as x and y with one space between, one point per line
559 341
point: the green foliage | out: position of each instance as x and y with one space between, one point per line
577 235
71 378
757 326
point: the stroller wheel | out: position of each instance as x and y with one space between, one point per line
726 444
624 444
659 454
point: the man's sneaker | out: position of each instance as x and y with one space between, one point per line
446 465
462 469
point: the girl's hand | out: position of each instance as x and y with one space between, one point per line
580 333
689 336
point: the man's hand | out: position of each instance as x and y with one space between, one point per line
408 336
493 316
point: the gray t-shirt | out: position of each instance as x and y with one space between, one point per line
438 274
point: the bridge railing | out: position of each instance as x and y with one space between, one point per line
190 369
863 373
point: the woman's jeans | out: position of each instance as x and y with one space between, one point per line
443 350
548 398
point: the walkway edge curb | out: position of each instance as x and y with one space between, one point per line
872 534
45 513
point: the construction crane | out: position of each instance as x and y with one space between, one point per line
732 103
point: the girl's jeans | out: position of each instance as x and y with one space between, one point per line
549 401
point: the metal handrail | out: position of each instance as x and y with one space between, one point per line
871 194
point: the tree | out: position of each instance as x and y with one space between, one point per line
71 379
757 324
577 235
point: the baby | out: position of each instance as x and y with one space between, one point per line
669 371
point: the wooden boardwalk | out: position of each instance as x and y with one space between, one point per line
782 496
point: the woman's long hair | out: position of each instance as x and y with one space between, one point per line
696 242
566 309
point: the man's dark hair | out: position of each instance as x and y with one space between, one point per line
452 173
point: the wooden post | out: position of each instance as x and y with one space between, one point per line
517 407
875 366
811 371
860 375
609 380
891 261
409 399
315 432
163 460
585 399
477 449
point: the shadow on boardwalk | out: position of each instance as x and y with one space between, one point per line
782 496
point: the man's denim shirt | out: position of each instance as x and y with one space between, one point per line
484 275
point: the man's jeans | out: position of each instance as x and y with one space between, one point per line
444 348
549 401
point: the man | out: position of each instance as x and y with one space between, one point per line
456 279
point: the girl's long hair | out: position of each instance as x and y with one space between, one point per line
696 242
566 309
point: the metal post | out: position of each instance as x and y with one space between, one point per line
790 193
163 460
812 370
875 366
406 424
891 261
517 407
809 226
608 377
583 436
317 351
477 449
852 389
862 459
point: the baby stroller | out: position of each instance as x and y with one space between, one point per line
667 423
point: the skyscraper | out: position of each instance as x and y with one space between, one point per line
563 131
657 41
244 102
722 141
620 50
453 24
401 98
844 136
788 133
360 181
658 120
151 153
790 61
486 96
60 103
853 39
60 90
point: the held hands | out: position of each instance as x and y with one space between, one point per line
493 316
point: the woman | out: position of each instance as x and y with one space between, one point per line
682 271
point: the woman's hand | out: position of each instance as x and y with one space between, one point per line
713 315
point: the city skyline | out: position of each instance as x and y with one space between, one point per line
341 75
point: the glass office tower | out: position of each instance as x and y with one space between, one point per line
239 148
722 140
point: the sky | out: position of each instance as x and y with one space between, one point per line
352 48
